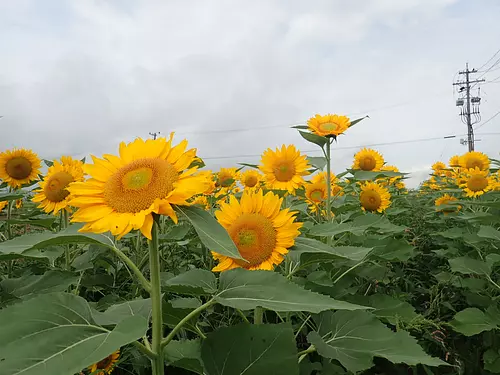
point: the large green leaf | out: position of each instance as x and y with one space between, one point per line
31 285
387 308
369 175
354 338
44 223
472 321
194 282
10 197
212 234
245 290
185 354
357 227
251 350
391 249
323 252
177 309
55 334
33 245
491 359
314 138
318 162
489 232
116 313
468 266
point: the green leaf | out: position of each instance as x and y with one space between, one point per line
469 266
489 232
387 308
472 321
354 338
358 226
392 249
318 162
175 310
491 359
303 127
55 334
117 313
33 245
44 223
185 354
354 122
251 350
368 175
323 252
10 197
249 165
28 286
243 289
195 282
314 138
212 234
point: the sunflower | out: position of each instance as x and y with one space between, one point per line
226 177
53 195
328 125
321 177
250 179
261 231
106 365
368 160
19 167
445 201
201 200
438 166
3 204
391 180
374 197
283 169
474 159
454 161
124 191
476 182
316 192
19 203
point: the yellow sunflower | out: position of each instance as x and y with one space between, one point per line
368 160
226 177
19 203
261 231
476 182
328 125
106 365
250 179
438 166
321 177
284 169
124 191
475 159
454 161
53 195
374 197
316 192
201 200
444 201
19 167
3 204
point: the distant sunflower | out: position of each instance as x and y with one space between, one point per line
316 192
445 200
19 203
261 231
3 204
374 197
321 177
368 160
454 161
250 179
19 167
474 159
438 166
124 191
284 169
226 177
328 125
106 365
53 194
201 200
476 182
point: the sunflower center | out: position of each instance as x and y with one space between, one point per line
105 363
225 180
18 168
255 238
328 126
370 200
473 163
367 163
55 188
477 183
284 171
250 181
317 195
135 187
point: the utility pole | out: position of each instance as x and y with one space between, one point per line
154 135
471 104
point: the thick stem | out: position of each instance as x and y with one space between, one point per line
64 225
9 216
304 353
258 315
157 325
328 183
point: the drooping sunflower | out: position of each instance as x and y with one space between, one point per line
374 197
368 160
328 125
106 365
284 168
445 200
53 194
19 167
261 231
3 204
475 159
476 182
454 161
250 179
124 191
226 177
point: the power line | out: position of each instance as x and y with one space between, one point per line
491 58
491 118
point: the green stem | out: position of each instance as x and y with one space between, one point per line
155 293
9 216
131 265
258 315
64 225
144 350
186 319
328 184
304 353
349 270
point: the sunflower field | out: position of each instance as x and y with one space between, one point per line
144 262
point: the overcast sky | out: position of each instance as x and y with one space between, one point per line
78 77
